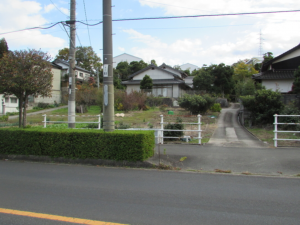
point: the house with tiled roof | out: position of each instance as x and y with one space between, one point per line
278 73
167 81
80 73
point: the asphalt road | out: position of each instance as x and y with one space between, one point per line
230 133
135 196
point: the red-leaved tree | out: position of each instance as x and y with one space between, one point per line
25 73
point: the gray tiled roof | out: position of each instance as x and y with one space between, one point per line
67 64
155 81
274 75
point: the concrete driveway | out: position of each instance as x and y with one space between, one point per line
231 148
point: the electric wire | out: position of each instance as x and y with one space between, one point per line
86 22
59 9
159 18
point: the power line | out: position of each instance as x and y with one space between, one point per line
59 9
159 18
86 22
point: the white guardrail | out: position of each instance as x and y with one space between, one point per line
159 133
283 131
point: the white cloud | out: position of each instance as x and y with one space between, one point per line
121 49
48 8
65 11
20 14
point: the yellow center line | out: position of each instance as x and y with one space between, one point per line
55 217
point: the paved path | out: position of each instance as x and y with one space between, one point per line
231 134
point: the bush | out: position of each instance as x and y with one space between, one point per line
177 126
4 118
42 105
196 103
163 107
153 101
216 107
263 105
81 144
290 109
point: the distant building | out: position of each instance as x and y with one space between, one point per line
124 58
255 60
80 73
189 66
278 73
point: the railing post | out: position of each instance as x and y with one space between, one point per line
162 128
199 129
45 120
275 130
99 122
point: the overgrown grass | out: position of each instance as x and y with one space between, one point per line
267 135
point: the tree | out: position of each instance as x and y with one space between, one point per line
203 80
222 74
146 83
296 83
153 62
123 70
267 57
3 47
243 71
135 66
26 73
85 58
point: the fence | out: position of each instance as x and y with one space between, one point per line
159 133
45 120
283 131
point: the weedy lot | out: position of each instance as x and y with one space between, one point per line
132 119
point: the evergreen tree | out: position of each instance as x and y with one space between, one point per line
3 47
146 83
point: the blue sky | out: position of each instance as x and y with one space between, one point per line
174 41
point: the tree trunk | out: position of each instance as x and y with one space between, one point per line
24 111
20 111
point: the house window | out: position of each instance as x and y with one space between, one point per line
13 100
81 74
7 100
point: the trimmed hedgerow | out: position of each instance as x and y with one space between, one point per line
81 144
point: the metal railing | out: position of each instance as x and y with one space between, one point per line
283 131
159 133
45 120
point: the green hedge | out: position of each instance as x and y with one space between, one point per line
82 144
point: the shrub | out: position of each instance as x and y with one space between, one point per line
163 107
43 105
4 118
176 126
216 107
153 101
263 105
81 144
196 103
290 109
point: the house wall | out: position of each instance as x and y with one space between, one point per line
176 91
132 87
294 54
173 71
9 105
154 74
282 86
56 89
124 58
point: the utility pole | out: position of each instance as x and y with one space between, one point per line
71 102
108 86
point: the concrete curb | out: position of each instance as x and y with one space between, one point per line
96 162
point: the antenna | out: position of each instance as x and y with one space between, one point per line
260 50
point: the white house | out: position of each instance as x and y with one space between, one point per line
11 102
278 73
8 104
80 73
124 58
167 81
189 66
